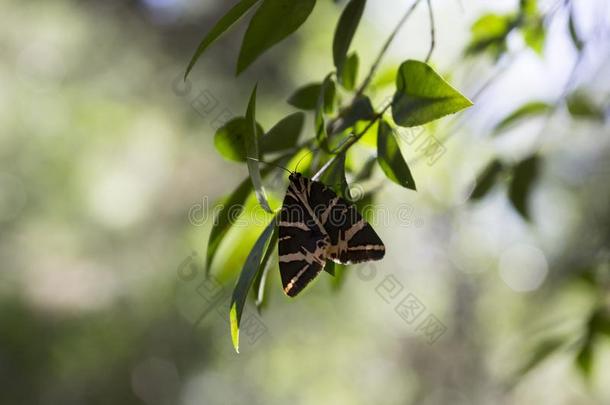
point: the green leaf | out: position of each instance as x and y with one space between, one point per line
579 44
534 35
329 267
527 110
334 176
221 26
251 268
284 135
230 139
581 106
366 171
261 278
230 209
489 33
344 33
524 177
390 158
306 97
273 22
487 179
349 74
360 109
252 152
584 358
422 95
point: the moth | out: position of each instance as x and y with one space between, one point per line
316 225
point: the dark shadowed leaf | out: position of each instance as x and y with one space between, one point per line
248 273
390 158
273 21
334 176
524 177
230 139
328 87
329 267
284 135
221 26
581 106
349 74
366 171
487 179
252 152
584 358
360 109
344 33
527 110
576 39
422 95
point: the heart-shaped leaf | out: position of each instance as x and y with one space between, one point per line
422 95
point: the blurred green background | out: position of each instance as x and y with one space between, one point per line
108 176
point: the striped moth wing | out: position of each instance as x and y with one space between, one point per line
315 225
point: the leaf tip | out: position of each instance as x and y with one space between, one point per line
234 326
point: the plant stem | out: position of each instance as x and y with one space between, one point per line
351 142
384 49
432 30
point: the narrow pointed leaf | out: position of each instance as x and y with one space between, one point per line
527 110
261 278
252 152
247 276
321 108
390 158
221 26
344 33
576 39
422 95
524 177
274 21
284 135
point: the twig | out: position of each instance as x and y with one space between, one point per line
350 142
384 49
432 30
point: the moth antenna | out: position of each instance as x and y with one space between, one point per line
301 159
270 164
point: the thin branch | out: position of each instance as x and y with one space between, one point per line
432 30
351 142
384 49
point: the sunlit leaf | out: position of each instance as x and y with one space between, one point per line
230 139
284 135
274 20
534 35
529 7
252 152
390 158
489 34
487 179
249 271
524 177
581 106
527 110
344 33
349 73
217 30
422 95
